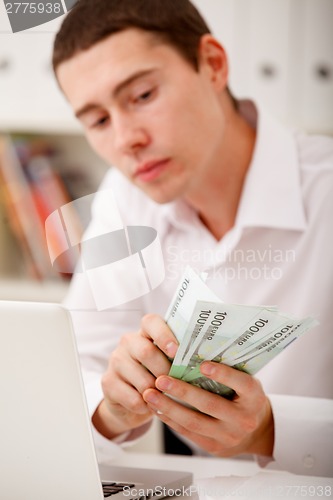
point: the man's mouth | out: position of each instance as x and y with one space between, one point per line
149 171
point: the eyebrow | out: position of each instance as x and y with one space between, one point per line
116 91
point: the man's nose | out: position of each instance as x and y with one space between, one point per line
129 134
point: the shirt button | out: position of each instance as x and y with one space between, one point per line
308 461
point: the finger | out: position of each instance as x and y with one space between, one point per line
203 442
186 417
206 402
242 383
238 417
131 372
123 395
155 328
208 433
223 447
140 348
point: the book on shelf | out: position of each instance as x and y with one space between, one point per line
31 190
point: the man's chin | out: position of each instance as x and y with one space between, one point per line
160 196
162 200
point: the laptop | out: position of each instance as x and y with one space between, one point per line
46 445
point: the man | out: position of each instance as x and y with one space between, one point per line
220 182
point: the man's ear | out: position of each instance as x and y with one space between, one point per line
213 60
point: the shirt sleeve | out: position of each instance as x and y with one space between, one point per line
303 435
107 449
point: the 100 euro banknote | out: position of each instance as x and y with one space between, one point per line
244 337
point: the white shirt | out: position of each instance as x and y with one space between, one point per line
279 252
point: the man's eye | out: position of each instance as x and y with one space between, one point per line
145 96
101 122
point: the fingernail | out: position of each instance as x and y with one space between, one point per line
207 368
171 349
151 398
164 384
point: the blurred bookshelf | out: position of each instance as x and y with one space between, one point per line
39 173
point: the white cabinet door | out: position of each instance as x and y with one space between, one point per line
316 72
263 53
29 96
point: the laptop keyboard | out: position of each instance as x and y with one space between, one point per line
114 488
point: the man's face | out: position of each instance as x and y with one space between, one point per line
146 111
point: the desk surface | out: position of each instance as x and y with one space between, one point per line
209 475
202 467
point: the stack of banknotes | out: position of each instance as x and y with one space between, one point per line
244 337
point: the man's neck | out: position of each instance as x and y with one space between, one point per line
220 191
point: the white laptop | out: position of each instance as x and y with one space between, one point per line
46 446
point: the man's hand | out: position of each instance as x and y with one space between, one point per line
133 367
136 379
221 427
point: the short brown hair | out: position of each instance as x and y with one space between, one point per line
176 22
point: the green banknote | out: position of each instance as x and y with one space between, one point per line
244 337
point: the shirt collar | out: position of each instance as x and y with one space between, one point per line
271 195
179 214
